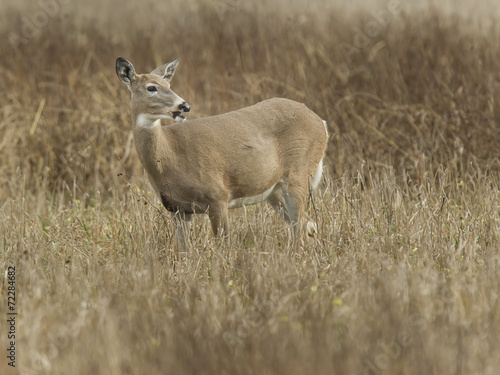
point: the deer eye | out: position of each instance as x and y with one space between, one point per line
152 89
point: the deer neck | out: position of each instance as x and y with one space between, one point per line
152 145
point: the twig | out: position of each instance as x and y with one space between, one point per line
37 117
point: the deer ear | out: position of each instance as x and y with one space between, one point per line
170 69
166 71
160 71
125 71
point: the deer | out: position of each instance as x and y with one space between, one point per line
271 151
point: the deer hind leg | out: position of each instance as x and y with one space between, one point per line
277 201
218 215
288 199
183 228
294 199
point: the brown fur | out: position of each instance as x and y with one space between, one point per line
201 165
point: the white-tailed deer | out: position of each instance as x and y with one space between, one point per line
268 151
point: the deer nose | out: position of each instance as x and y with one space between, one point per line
184 107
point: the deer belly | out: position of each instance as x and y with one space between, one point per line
247 201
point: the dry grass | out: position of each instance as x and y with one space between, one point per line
403 277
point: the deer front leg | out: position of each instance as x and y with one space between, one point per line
217 213
294 196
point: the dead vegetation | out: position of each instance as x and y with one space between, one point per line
403 276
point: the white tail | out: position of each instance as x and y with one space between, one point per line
268 151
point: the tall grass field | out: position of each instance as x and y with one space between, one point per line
403 274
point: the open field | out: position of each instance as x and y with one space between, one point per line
403 276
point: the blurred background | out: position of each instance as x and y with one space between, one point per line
403 275
403 85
